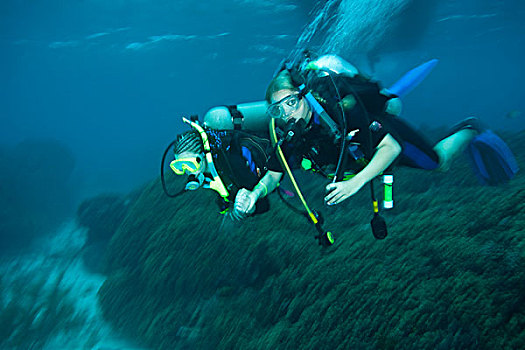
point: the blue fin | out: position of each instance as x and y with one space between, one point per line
492 160
412 78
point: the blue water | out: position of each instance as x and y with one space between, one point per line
110 80
113 80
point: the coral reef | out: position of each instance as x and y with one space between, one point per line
450 274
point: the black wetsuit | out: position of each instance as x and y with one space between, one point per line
319 145
240 159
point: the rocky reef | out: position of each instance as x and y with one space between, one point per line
450 275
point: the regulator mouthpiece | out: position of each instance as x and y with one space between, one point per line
194 182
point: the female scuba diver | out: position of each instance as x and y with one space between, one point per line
230 162
344 127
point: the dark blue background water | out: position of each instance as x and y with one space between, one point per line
88 73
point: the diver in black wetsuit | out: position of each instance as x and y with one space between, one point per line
230 162
375 140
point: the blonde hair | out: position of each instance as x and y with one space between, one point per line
282 81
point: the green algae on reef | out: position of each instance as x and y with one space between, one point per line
450 275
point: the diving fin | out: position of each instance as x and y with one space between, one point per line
492 160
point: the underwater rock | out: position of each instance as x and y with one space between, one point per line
102 215
36 195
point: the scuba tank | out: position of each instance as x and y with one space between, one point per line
307 63
246 116
332 63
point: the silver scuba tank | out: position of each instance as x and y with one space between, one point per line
253 114
338 65
252 117
332 63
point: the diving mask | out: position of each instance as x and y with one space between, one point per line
189 164
284 107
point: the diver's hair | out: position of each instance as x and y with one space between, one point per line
189 141
282 81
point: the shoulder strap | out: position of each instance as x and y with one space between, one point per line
237 117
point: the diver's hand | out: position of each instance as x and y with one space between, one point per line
244 204
339 191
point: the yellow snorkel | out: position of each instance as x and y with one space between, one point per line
216 183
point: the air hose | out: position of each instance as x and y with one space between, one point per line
325 238
162 180
378 224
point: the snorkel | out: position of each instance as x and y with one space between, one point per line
195 167
215 183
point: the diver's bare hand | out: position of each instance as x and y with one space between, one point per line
244 204
339 191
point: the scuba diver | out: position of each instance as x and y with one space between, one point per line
343 125
230 162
